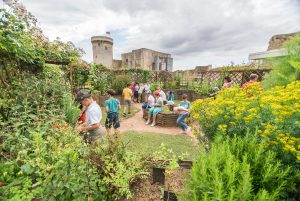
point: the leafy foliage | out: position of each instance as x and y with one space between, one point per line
237 169
100 78
120 82
285 69
274 113
118 167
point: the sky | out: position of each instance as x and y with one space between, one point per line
195 32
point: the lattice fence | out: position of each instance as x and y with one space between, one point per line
237 76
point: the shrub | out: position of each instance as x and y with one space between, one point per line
118 168
285 69
237 168
274 114
100 78
120 82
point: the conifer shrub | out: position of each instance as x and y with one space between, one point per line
237 168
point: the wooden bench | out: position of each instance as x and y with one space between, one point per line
163 119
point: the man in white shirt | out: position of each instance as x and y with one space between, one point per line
92 126
183 114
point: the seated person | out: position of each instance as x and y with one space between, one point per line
185 103
157 107
149 101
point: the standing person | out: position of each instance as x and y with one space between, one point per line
227 82
112 106
91 128
149 101
132 87
183 114
253 79
171 96
185 103
127 94
136 93
141 91
147 87
157 107
162 95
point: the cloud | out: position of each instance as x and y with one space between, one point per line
195 32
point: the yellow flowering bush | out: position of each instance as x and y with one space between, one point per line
274 114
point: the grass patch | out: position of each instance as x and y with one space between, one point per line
147 143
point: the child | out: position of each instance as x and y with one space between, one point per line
162 94
149 101
112 106
171 96
185 103
136 93
183 114
156 108
127 94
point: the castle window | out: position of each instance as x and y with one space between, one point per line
106 48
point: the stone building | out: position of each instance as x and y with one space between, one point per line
275 48
102 50
148 59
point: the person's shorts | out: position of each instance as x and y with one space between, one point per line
164 102
136 94
112 119
155 110
127 102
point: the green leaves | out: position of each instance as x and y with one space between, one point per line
236 169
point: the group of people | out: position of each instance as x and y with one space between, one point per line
91 112
228 84
154 103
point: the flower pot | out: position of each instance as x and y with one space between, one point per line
158 176
170 196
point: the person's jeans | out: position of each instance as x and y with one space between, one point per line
180 121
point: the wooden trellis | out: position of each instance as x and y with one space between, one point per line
237 76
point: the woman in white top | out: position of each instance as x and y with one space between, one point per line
157 107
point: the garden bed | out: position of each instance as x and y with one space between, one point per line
163 119
145 190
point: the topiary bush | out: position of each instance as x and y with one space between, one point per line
237 168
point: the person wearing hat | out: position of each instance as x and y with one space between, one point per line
183 114
157 107
91 127
149 101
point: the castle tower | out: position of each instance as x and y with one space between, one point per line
102 50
